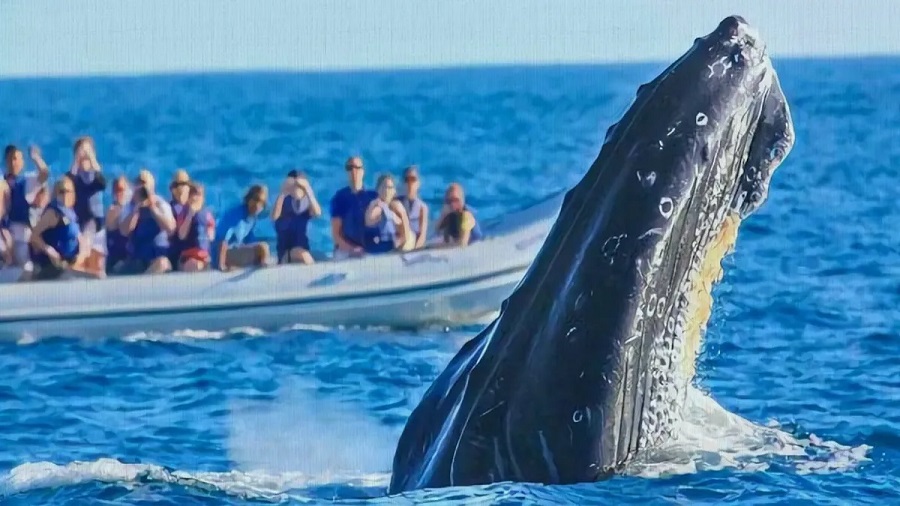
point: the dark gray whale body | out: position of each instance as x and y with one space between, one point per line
592 354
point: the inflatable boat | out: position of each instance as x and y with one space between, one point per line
432 286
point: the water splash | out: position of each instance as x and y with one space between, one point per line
287 457
246 485
710 438
302 431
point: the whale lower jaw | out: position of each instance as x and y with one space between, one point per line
661 388
653 383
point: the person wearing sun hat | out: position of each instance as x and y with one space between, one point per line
147 223
180 188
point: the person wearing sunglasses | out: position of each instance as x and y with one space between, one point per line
416 209
236 243
348 209
386 218
457 224
291 213
148 223
89 184
56 237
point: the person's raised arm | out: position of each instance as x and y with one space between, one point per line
185 227
400 212
162 214
373 213
43 170
315 210
423 226
127 226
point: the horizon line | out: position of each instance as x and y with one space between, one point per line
336 70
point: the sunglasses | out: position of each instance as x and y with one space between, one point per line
351 167
64 191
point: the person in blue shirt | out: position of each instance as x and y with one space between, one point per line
348 209
236 243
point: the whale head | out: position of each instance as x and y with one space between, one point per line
590 358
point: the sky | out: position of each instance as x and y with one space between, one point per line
97 37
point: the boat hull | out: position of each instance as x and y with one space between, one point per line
445 286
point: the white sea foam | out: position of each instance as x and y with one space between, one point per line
282 453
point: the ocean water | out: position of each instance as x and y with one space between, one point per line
797 399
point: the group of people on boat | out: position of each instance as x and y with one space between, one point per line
64 229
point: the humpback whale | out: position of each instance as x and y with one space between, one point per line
592 354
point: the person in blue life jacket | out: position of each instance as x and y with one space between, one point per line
292 211
348 209
180 188
387 222
90 184
116 242
196 232
416 208
237 245
147 221
18 192
458 224
56 237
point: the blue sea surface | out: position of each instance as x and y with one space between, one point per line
804 337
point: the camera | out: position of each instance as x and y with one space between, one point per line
141 194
